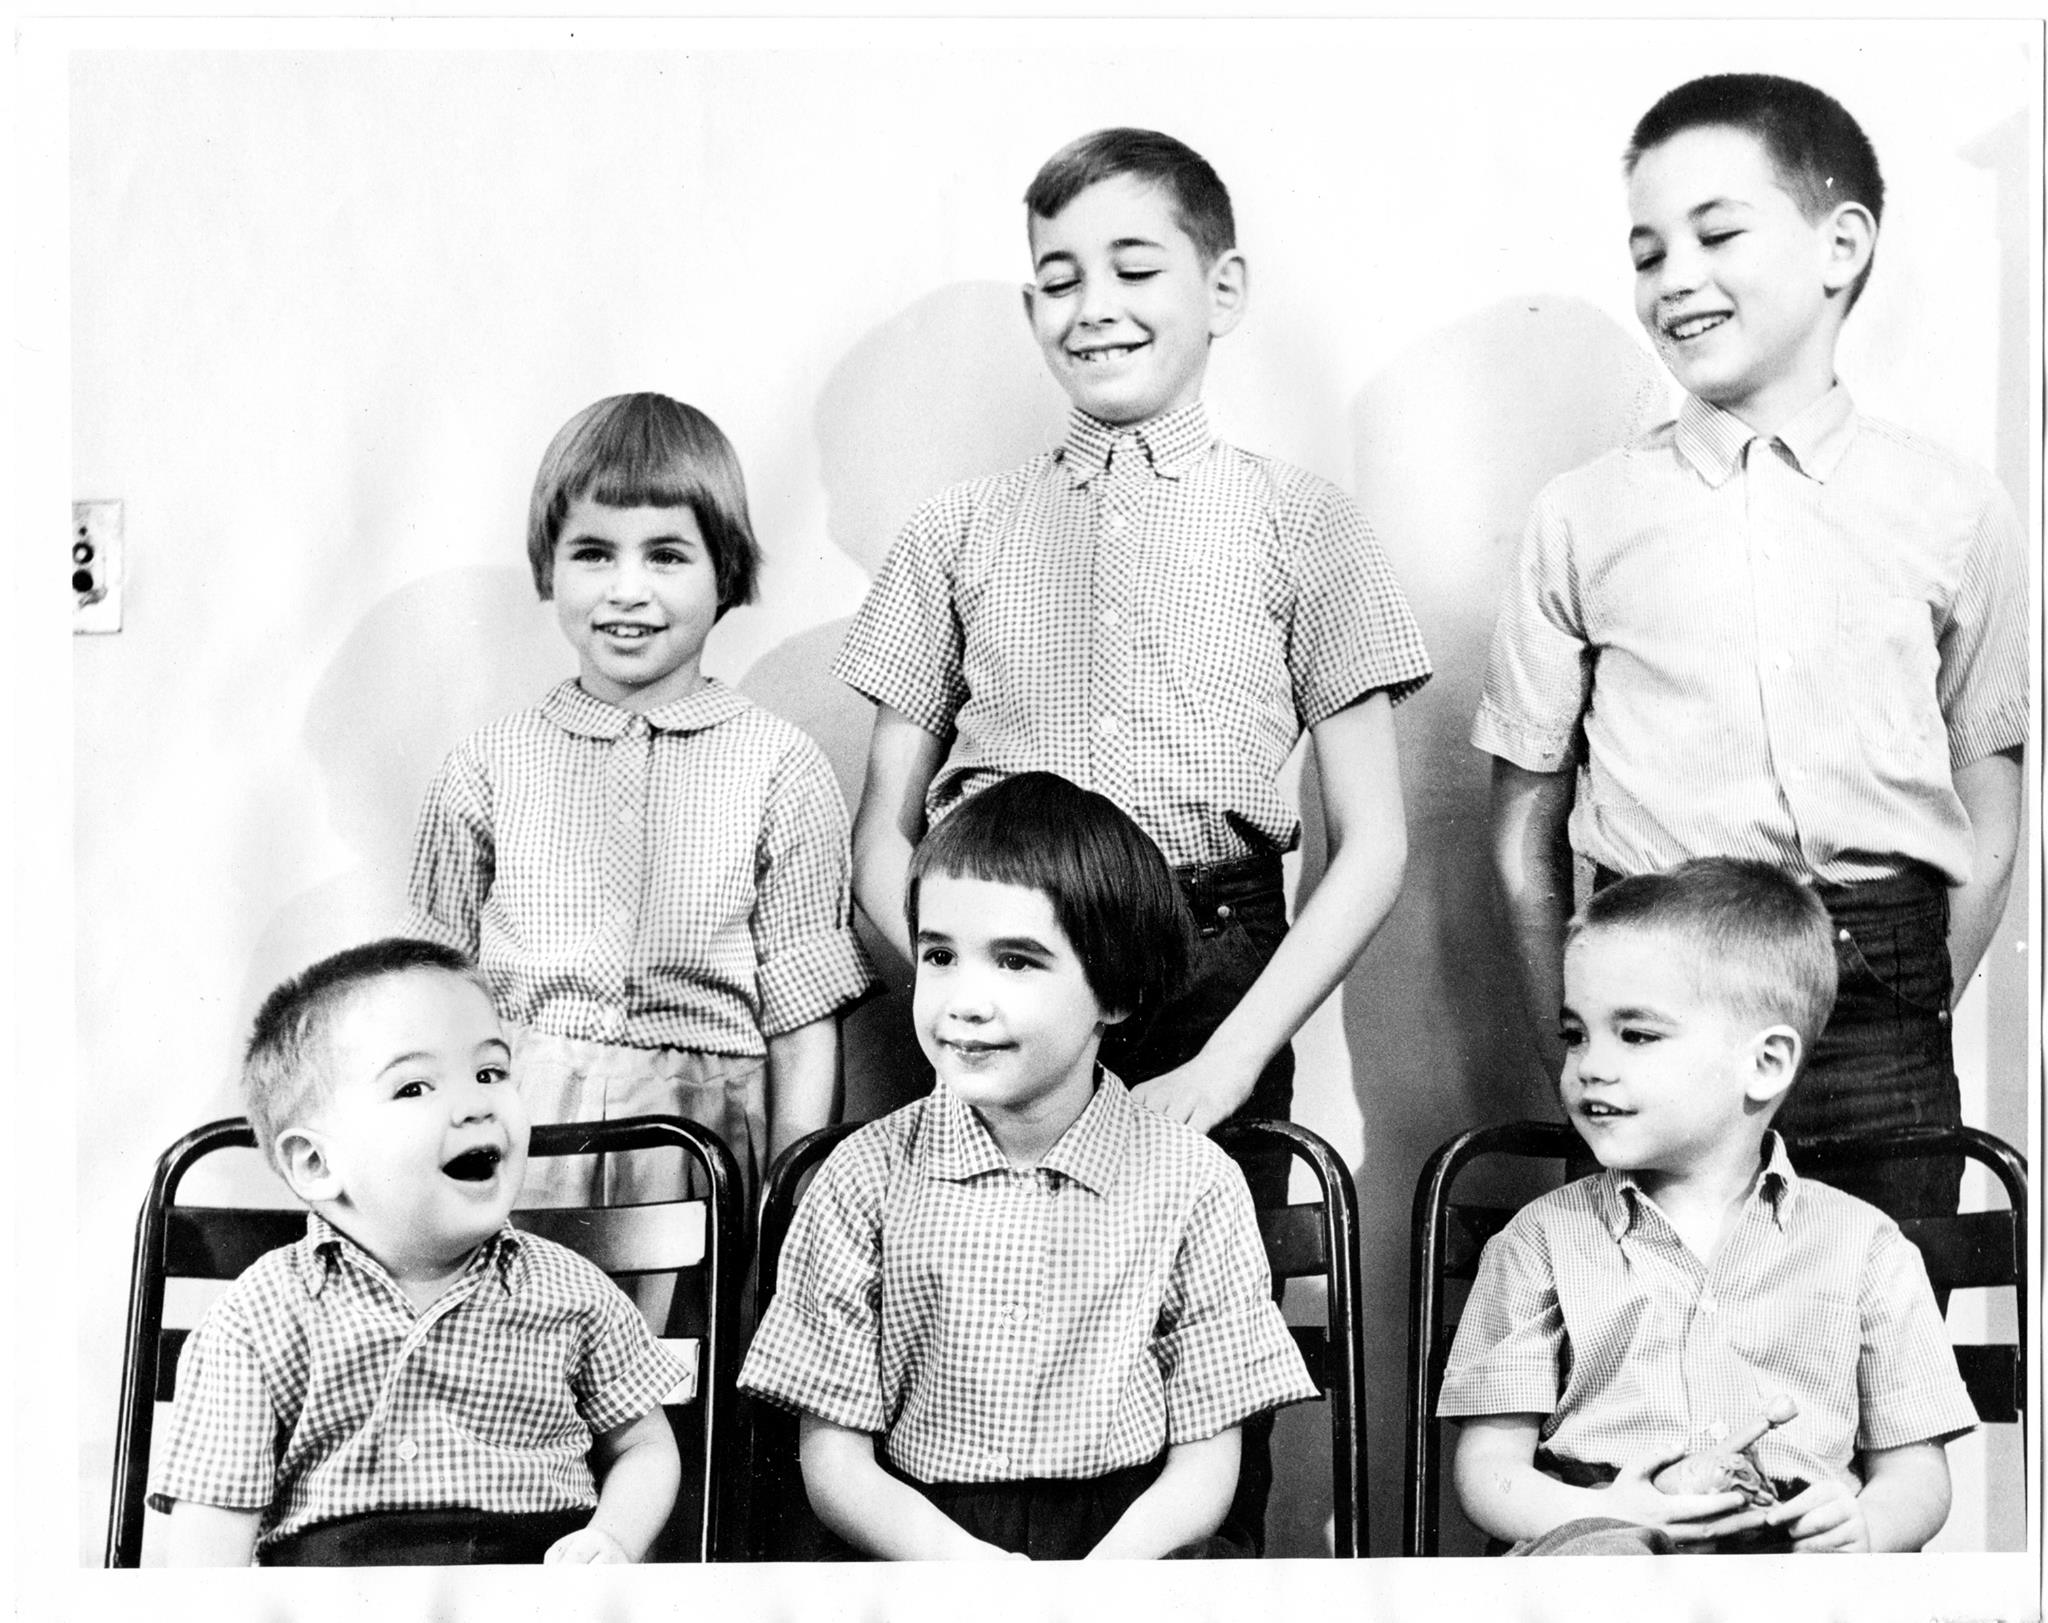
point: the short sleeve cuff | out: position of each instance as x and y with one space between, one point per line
1931 1414
1223 1370
810 980
1974 738
645 1375
1530 748
798 1363
1499 1387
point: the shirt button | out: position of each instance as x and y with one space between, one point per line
1118 523
1111 618
1107 726
1718 1432
998 1459
1709 1306
1783 662
408 1450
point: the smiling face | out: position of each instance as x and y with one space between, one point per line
1742 294
1123 306
1659 1078
420 1149
636 593
1004 1010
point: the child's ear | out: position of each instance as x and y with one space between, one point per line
1112 1017
1229 291
1849 238
302 1155
1774 1062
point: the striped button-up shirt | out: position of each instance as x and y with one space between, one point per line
1148 612
677 879
1777 649
993 1323
1590 1311
314 1390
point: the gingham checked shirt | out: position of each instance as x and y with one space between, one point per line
313 1389
1590 1311
1775 649
993 1323
1158 627
673 880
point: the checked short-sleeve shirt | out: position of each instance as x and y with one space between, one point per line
1590 1311
1150 613
993 1323
313 1390
673 879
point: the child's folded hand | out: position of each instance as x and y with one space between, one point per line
588 1546
1689 1518
1826 1519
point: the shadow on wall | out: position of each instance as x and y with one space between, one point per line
950 389
1452 443
428 665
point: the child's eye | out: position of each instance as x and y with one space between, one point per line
1714 239
1015 960
669 557
410 1090
1137 273
1648 262
1058 286
1570 1036
587 554
1636 1036
937 957
493 1073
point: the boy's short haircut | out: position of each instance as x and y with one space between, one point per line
1112 893
1762 942
1821 154
646 450
1200 202
287 1070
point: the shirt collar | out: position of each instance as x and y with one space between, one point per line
584 714
326 1248
1169 442
956 1146
1713 440
1619 1193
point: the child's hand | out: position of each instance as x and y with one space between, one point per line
1826 1519
588 1546
1689 1518
1200 1093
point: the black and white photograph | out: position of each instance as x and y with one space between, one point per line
831 797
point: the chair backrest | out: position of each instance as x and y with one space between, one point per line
1317 1239
696 1241
1984 1250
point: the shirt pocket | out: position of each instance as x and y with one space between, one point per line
1893 663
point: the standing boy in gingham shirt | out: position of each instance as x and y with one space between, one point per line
1156 615
1774 628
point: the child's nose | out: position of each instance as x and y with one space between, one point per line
474 1103
628 582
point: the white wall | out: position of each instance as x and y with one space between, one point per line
326 307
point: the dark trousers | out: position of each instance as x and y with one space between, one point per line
1046 1518
1885 1058
425 1538
1240 913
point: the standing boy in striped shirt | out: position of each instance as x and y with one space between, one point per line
1677 1299
1773 628
1156 615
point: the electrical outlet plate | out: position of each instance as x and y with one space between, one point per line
98 563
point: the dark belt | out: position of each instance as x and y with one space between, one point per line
1913 883
1209 882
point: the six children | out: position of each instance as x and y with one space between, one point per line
1023 1315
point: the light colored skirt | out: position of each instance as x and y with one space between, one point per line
572 1079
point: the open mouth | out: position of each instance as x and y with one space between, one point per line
628 633
1107 352
1689 327
1599 1112
474 1166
